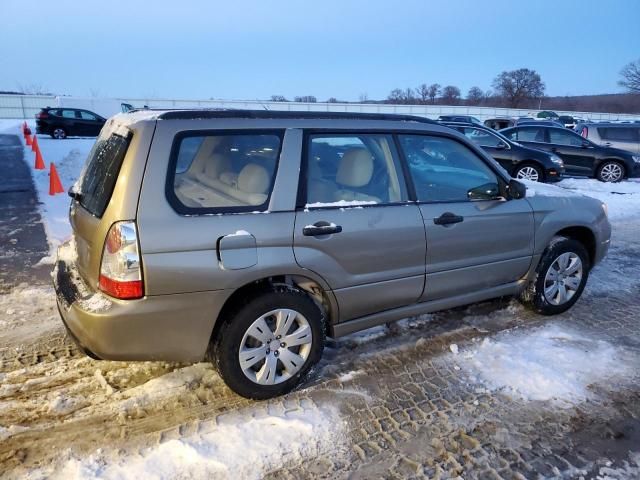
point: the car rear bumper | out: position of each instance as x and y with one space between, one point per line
163 327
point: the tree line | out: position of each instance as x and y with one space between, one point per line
520 88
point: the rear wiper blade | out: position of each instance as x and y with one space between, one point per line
74 194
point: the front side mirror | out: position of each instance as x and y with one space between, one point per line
501 146
487 191
517 190
586 144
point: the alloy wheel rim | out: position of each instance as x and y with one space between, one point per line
563 278
58 133
275 347
528 173
611 172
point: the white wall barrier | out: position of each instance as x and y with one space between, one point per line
26 106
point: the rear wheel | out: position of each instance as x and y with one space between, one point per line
268 345
560 277
59 133
610 171
529 171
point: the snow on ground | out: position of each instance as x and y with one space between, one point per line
622 199
241 444
69 156
553 363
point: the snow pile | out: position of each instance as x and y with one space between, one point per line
69 156
550 363
546 190
237 445
622 199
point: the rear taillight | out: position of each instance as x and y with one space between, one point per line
42 115
120 272
585 132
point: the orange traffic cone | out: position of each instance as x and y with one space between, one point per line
39 162
55 185
34 144
27 139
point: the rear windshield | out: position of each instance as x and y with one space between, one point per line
101 172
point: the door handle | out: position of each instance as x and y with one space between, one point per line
448 218
319 230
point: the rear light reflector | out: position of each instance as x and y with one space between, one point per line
42 115
120 271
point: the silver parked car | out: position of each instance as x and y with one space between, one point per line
246 237
625 136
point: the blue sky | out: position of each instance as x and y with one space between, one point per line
252 49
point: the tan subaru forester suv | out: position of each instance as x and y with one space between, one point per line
246 237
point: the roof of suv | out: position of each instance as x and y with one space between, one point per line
195 114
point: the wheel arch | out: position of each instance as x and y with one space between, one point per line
321 296
585 236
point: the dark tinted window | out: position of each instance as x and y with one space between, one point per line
87 116
69 113
101 172
481 137
54 112
564 137
622 134
223 172
445 170
530 134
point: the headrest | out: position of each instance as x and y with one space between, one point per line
356 168
216 165
253 178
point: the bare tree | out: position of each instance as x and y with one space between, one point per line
332 100
306 99
434 91
450 94
475 96
364 97
422 92
278 98
32 89
409 96
631 76
518 86
396 96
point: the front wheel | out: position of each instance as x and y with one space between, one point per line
610 171
59 133
529 172
560 277
267 346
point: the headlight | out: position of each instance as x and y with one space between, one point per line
635 158
557 160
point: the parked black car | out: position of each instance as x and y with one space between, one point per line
580 156
66 122
521 162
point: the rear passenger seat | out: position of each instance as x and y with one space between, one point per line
249 187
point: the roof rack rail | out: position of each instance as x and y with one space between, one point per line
265 114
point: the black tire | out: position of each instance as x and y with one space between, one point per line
58 133
521 167
601 173
534 297
225 346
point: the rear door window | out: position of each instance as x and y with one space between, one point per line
530 134
353 169
101 172
69 113
222 172
620 134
